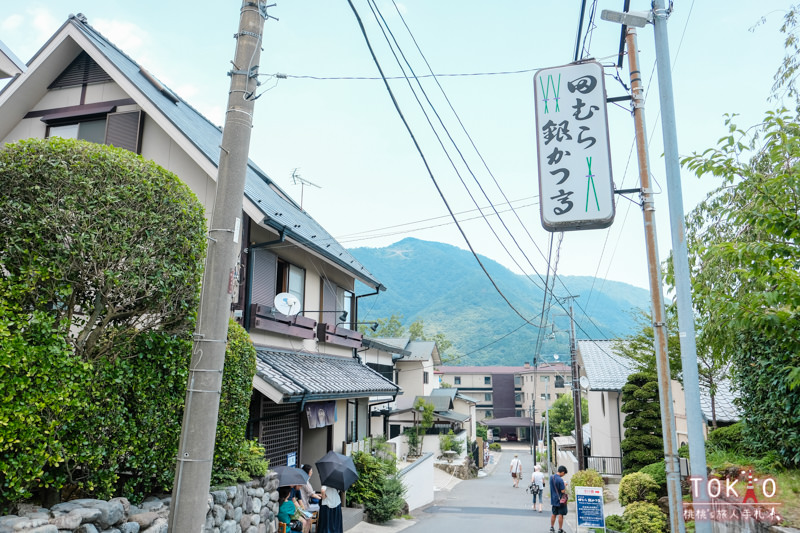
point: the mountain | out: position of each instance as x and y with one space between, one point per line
445 287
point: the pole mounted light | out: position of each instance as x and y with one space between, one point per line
638 19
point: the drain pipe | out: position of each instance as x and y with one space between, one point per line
247 298
378 289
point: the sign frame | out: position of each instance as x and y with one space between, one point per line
576 186
589 507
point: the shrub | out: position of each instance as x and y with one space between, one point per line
643 517
101 258
585 478
482 431
617 523
236 459
448 442
390 501
728 438
657 471
495 447
637 487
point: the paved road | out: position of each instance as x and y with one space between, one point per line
487 505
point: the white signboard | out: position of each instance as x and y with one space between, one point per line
589 507
576 190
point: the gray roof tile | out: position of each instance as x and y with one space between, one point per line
604 367
317 376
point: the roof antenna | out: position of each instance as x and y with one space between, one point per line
297 179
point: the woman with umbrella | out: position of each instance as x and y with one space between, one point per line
336 472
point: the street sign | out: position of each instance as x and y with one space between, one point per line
589 505
576 190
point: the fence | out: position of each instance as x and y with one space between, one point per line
604 465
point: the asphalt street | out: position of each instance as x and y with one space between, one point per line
485 504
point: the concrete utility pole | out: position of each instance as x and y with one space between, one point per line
576 389
196 448
657 300
680 262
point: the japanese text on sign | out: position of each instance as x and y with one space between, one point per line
589 506
575 183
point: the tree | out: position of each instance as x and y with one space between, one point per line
391 327
421 425
101 258
562 414
640 346
746 273
643 442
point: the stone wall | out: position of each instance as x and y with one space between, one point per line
246 508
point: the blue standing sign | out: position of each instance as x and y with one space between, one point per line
589 504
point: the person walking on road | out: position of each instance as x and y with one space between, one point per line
537 486
558 499
516 470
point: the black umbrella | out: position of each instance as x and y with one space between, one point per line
290 475
337 471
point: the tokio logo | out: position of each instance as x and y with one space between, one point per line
731 503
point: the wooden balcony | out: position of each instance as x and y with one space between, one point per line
329 333
266 318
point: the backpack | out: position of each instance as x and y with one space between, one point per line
534 488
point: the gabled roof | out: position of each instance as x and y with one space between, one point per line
279 211
606 369
440 403
416 350
301 377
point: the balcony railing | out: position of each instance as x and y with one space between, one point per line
604 465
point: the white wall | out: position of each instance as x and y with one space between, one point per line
418 480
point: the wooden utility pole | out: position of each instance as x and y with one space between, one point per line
198 432
668 428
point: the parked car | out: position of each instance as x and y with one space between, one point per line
511 437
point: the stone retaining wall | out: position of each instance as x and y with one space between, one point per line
246 508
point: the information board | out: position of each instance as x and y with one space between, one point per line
576 189
589 505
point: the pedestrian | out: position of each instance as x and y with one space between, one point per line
537 486
516 470
330 511
558 499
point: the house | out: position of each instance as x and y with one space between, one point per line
463 405
311 392
542 385
607 371
498 391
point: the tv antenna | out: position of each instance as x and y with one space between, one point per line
303 182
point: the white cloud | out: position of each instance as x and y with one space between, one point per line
11 23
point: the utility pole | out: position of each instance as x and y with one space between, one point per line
547 427
668 429
576 389
680 263
198 432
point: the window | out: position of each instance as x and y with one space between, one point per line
520 413
603 402
425 377
517 381
487 397
457 380
487 380
291 279
487 413
559 382
518 397
544 379
545 396
91 130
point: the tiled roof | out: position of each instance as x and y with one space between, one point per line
448 391
440 403
725 409
604 367
280 212
305 376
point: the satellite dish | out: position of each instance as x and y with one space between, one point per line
287 303
584 382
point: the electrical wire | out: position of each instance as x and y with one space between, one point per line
425 161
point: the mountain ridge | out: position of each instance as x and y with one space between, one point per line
445 287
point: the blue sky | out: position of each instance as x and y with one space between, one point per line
344 135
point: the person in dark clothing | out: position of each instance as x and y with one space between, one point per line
558 489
